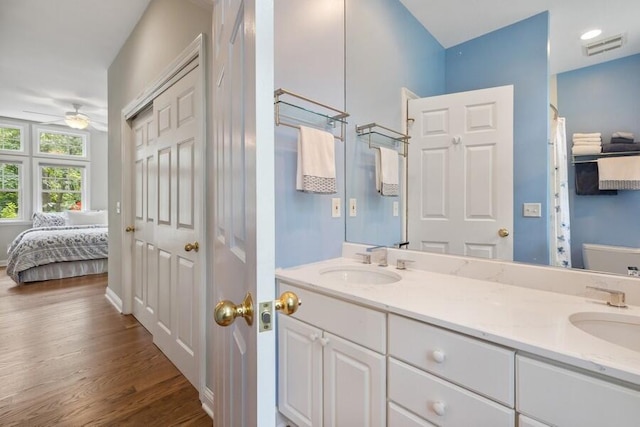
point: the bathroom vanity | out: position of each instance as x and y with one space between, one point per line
377 346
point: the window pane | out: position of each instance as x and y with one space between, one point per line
61 188
10 139
9 176
61 144
9 204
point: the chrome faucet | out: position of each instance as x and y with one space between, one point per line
379 253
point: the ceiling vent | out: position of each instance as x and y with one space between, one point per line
604 45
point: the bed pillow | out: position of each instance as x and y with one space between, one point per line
48 219
86 217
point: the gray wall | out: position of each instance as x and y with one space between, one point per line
166 28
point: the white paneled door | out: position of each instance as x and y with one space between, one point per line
241 187
460 173
167 283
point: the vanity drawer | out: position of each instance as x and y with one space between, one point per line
563 397
441 402
485 368
358 324
400 417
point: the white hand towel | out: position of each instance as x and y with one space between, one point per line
316 161
587 135
583 150
387 179
619 173
587 141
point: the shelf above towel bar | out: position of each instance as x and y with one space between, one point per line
300 109
592 158
383 136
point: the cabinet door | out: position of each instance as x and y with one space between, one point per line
299 372
354 384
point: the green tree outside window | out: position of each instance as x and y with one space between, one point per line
9 190
10 139
61 188
61 144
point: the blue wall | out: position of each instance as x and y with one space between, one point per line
387 49
602 98
309 60
516 55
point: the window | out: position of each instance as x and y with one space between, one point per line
62 187
12 137
56 143
10 190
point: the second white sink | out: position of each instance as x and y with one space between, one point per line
368 275
619 329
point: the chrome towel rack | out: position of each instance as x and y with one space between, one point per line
378 135
292 109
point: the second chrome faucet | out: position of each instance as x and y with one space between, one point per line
378 255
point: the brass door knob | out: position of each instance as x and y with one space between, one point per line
226 311
288 303
130 228
503 232
195 246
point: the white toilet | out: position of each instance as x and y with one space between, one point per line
611 259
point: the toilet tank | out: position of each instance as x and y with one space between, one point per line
611 259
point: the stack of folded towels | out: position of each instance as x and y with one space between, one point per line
586 143
621 142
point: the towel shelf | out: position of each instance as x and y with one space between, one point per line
295 109
591 158
378 135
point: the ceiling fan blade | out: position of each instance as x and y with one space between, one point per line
42 114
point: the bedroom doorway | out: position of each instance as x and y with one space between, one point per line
167 214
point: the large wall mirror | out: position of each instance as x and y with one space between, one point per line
402 49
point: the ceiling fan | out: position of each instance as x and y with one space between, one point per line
74 119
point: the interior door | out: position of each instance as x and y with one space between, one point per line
460 173
145 280
242 168
176 261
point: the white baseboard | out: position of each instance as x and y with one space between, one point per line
114 299
3 262
207 402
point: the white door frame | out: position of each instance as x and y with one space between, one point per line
184 62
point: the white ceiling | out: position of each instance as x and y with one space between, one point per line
56 52
454 21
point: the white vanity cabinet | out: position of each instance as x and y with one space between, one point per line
562 396
449 379
331 361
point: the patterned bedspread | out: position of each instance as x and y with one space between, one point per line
46 245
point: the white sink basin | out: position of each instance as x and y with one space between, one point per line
619 329
368 275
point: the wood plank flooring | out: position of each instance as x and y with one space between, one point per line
68 358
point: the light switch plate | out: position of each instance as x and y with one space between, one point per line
335 207
533 210
353 208
396 208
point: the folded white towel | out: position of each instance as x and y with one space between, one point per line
587 141
619 173
582 150
387 179
587 135
316 161
628 135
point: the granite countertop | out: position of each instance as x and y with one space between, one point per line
528 320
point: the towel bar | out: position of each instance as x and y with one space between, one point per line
389 137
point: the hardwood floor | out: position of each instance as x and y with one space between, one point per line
68 358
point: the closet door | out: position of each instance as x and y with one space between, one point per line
178 150
145 278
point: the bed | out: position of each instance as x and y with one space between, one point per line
59 246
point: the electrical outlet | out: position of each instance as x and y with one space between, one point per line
533 210
335 207
396 208
352 207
